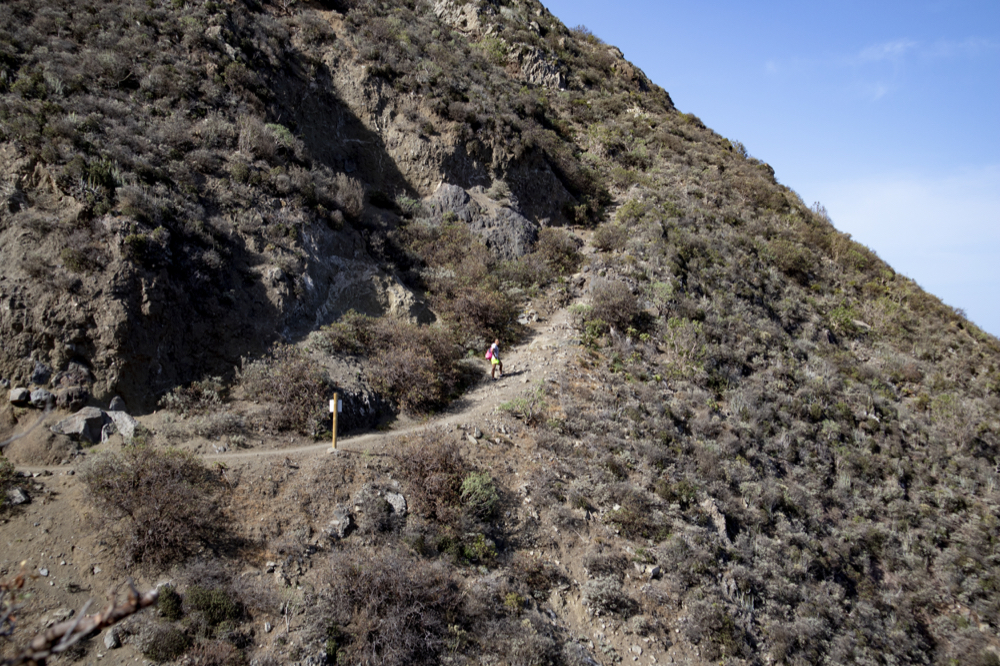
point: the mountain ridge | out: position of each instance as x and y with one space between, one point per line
272 201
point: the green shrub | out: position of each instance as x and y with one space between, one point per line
479 495
169 603
215 603
166 643
480 551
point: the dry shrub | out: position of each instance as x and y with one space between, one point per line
606 595
216 653
559 250
610 236
613 303
480 312
196 398
385 608
157 505
350 195
414 366
288 380
434 470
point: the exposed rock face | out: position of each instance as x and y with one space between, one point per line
463 17
536 69
504 231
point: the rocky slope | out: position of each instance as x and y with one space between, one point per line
748 440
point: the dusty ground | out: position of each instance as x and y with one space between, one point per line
288 486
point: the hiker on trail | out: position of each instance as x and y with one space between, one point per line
494 357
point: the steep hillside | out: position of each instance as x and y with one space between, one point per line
731 434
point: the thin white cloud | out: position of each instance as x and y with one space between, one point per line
893 51
896 52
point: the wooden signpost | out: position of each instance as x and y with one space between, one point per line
336 405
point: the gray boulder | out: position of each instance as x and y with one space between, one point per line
340 525
112 639
117 405
86 425
124 424
397 502
20 396
17 496
42 399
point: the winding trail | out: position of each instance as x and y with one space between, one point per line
550 342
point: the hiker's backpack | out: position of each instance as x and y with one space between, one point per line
489 353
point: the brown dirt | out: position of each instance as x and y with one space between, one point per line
55 531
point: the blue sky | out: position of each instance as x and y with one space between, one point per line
887 113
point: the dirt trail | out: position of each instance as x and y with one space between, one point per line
550 342
525 366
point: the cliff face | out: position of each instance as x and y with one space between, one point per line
804 442
170 210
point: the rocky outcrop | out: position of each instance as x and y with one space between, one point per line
507 233
536 69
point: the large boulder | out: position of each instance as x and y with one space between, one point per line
19 396
86 425
123 423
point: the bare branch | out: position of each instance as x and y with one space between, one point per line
60 637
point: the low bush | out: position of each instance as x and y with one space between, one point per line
215 603
614 303
169 603
610 236
292 385
479 495
434 471
385 608
559 249
165 643
156 506
605 595
197 397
